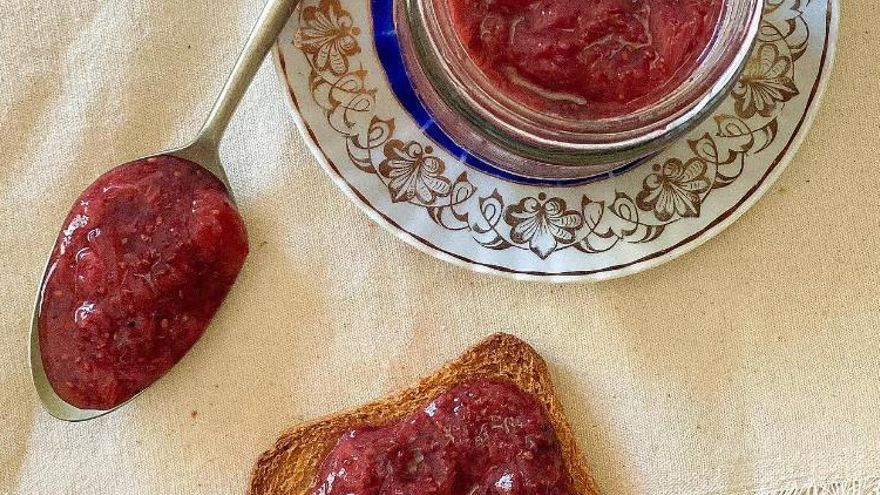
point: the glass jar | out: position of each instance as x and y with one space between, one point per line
530 144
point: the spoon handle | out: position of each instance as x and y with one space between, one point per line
264 34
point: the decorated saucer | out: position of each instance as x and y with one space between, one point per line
353 102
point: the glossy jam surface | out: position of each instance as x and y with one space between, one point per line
146 256
483 437
586 58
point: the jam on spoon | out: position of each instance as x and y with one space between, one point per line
144 259
147 255
485 436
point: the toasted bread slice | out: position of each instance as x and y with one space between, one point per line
291 467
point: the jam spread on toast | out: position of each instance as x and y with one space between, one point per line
483 437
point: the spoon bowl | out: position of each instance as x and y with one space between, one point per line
205 155
203 151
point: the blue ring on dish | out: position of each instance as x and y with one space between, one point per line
391 55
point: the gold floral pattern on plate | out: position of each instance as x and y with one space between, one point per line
671 189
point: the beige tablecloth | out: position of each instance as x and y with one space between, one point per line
750 365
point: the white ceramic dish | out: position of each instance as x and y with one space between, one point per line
350 100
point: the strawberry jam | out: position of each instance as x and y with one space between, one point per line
483 437
586 59
146 256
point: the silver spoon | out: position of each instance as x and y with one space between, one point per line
203 151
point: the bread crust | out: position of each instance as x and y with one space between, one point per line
292 465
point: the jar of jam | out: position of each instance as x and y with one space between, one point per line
573 89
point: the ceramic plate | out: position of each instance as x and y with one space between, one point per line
354 105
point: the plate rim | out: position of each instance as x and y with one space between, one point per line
653 260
